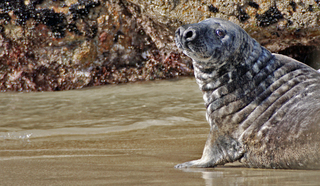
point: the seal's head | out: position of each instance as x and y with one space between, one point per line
213 41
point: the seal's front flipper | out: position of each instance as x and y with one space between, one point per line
200 163
223 150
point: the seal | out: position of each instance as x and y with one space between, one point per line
263 108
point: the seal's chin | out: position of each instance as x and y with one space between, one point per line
199 54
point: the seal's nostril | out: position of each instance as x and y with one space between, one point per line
189 34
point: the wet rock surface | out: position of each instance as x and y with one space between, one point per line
69 44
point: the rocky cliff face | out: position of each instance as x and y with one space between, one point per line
68 44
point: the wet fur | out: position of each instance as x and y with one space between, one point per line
263 108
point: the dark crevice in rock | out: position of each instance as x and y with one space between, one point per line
309 55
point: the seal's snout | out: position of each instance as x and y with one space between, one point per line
188 34
185 35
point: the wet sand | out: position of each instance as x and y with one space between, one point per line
111 146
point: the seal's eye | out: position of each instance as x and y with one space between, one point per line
220 33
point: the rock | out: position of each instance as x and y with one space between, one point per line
61 45
287 27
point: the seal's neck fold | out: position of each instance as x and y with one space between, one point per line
220 73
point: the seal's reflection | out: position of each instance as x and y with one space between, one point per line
214 177
220 176
234 175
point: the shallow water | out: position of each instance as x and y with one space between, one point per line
117 135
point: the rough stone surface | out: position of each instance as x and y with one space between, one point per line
267 21
287 27
61 45
68 44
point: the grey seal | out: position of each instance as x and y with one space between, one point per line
263 108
